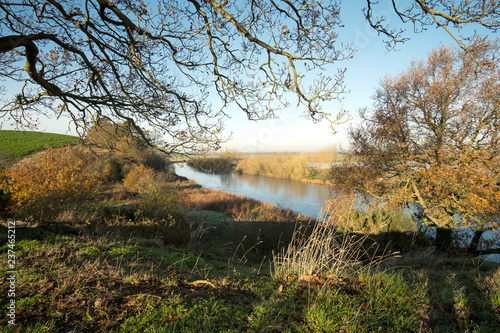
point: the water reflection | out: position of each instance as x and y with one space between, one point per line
307 199
304 198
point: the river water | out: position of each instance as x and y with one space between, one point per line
304 198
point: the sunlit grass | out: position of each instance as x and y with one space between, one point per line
16 144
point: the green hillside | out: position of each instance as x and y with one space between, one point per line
15 144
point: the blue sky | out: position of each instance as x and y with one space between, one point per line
293 132
371 62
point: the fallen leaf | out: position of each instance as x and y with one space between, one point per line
196 283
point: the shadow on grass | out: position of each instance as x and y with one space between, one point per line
462 293
103 278
92 279
242 242
71 287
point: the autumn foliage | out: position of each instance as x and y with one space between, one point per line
56 178
156 195
142 179
431 143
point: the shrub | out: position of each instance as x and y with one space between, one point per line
392 229
140 179
376 221
140 154
126 144
108 166
224 164
56 178
157 198
113 166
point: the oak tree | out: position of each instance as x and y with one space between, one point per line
155 65
431 142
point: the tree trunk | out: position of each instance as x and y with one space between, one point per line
475 240
443 239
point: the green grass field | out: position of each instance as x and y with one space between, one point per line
130 278
15 144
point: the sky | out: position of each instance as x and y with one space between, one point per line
293 132
371 62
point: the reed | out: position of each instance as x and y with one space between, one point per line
310 167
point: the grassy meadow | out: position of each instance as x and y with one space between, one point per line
15 144
146 251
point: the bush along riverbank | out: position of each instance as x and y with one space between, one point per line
152 253
306 167
222 163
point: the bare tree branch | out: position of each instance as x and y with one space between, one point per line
438 13
157 66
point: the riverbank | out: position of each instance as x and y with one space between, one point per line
306 199
236 208
133 277
305 167
125 264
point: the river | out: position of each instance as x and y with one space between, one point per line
304 198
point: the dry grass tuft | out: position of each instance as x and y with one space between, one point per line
324 251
